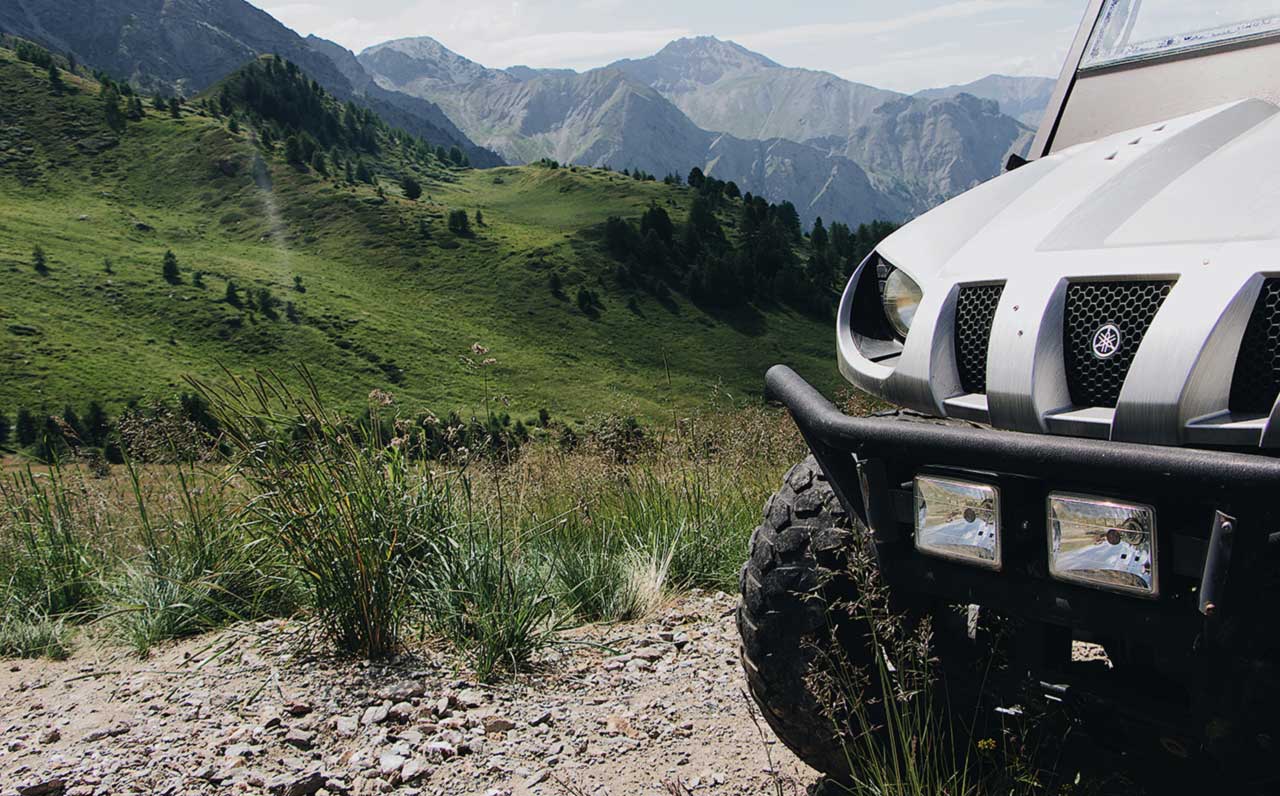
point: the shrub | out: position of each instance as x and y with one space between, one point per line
38 261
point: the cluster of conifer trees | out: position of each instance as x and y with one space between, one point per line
762 257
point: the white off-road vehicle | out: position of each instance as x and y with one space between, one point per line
1100 326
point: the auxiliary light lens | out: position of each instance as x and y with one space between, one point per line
1104 543
959 520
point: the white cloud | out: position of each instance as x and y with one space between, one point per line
852 31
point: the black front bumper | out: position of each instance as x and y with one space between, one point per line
871 463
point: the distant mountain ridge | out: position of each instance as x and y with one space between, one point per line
188 45
930 147
607 117
1023 98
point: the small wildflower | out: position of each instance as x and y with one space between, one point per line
987 744
381 398
478 349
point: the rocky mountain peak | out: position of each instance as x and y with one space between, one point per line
421 57
686 64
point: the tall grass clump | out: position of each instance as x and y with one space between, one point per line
897 733
201 564
37 637
353 519
45 555
491 598
628 517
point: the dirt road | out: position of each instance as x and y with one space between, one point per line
648 708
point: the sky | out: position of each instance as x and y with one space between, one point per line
905 45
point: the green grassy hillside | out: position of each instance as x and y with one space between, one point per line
392 299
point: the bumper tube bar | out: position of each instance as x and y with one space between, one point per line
1118 463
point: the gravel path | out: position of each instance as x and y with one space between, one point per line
651 708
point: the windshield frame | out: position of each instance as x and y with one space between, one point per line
1176 51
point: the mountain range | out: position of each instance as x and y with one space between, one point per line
835 148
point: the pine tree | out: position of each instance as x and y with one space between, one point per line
233 126
96 424
38 261
457 156
170 268
55 79
363 174
291 312
459 224
818 237
4 429
111 107
26 428
412 190
107 266
134 110
317 163
267 303
479 218
297 284
175 107
293 150
197 279
158 103
233 294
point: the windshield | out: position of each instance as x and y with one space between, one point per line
1130 29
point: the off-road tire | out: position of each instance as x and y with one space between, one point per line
798 568
794 586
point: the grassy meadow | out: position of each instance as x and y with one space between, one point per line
387 297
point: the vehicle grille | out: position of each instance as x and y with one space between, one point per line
975 310
1257 378
1131 306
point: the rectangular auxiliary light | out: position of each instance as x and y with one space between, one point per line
959 520
1109 544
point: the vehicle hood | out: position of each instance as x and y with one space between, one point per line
1188 187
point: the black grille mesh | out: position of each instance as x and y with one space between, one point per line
975 310
1257 378
1131 306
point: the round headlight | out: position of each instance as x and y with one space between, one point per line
901 298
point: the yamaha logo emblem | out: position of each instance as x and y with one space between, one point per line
1106 341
